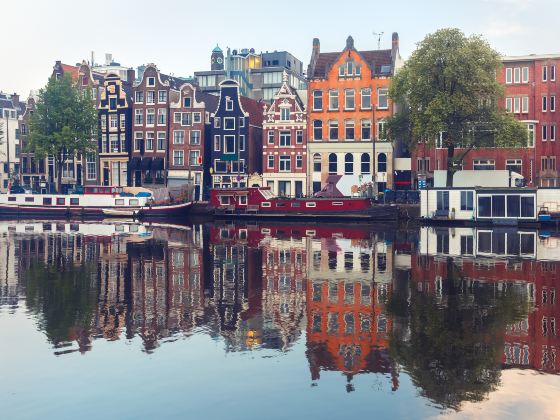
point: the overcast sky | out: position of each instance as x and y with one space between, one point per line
179 35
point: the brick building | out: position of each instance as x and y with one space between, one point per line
347 105
285 143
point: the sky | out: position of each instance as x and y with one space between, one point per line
178 36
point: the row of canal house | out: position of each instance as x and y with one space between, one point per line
531 89
159 130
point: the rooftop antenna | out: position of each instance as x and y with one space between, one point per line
378 35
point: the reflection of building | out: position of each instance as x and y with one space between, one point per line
506 258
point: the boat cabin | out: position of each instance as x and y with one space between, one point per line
99 189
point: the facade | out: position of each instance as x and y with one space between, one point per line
347 104
148 165
284 142
259 75
188 136
11 109
531 88
115 128
236 130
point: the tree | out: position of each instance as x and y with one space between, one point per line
63 124
448 88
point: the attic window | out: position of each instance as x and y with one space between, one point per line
349 68
229 104
151 81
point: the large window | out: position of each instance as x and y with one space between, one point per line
316 162
317 100
285 114
229 144
365 163
194 158
150 116
333 164
138 117
514 165
333 130
484 164
178 158
285 163
442 199
366 98
349 129
91 167
195 137
333 100
366 129
348 164
506 205
381 162
382 98
317 130
349 100
229 123
285 138
467 200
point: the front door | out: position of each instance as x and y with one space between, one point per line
106 176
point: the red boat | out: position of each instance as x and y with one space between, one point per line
260 202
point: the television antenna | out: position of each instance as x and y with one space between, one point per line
378 35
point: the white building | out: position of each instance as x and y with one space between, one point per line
10 110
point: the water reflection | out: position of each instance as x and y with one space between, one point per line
449 308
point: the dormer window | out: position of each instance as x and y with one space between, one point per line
187 102
349 68
151 81
229 104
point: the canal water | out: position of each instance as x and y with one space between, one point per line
277 321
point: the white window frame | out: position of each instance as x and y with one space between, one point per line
151 81
285 161
544 103
524 104
229 119
365 93
509 75
509 104
525 75
270 162
544 73
225 144
517 75
516 105
178 154
382 92
176 140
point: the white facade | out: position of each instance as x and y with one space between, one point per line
9 145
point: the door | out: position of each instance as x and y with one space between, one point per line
106 176
299 188
284 188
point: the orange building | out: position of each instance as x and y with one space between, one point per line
347 105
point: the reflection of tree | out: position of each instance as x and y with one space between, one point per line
64 298
451 343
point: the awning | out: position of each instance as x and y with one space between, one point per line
146 163
135 163
157 164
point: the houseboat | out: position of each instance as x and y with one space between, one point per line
260 202
490 206
95 201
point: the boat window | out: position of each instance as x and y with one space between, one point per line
243 234
311 204
47 201
29 199
133 202
295 205
280 204
337 203
60 201
513 206
266 194
498 206
119 202
484 206
265 204
119 228
310 233
225 199
265 231
242 200
11 198
74 201
133 228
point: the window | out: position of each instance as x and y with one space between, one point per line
229 144
544 103
299 161
217 143
333 130
270 162
381 162
366 99
285 138
285 114
516 75
187 101
509 75
552 73
178 157
123 121
179 137
381 134
139 97
299 136
517 105
442 200
161 140
195 137
341 70
317 130
241 121
113 121
317 100
366 129
151 81
114 142
194 158
548 163
285 164
544 133
467 245
383 98
333 163
316 162
525 104
349 164
466 200
150 97
349 102
349 68
162 96
74 201
149 141
552 133
46 201
349 129
530 135
150 116
514 165
242 143
525 74
220 166
217 122
423 164
138 140
229 123
162 116
484 164
91 167
270 136
229 104
333 100
544 73
552 103
60 201
509 104
365 163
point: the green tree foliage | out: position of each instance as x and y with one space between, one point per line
453 343
63 124
449 86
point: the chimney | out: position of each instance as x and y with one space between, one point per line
349 42
15 99
130 75
395 43
314 56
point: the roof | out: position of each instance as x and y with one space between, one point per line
375 59
71 70
210 101
8 101
530 57
255 110
217 49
